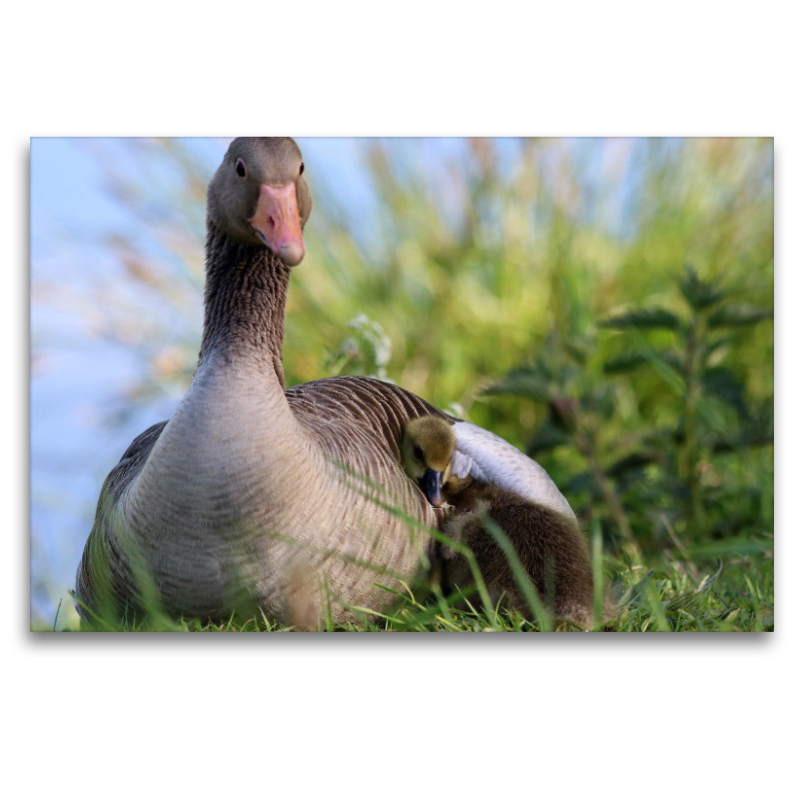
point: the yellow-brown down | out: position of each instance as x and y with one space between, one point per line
428 443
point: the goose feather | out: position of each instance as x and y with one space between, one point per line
486 457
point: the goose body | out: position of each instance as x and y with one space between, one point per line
253 498
236 523
542 528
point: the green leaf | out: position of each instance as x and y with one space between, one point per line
716 344
523 382
666 363
738 316
636 594
625 362
634 461
699 294
710 579
673 359
644 318
720 382
547 437
580 349
729 548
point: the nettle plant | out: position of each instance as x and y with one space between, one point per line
649 428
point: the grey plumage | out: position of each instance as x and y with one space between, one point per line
249 485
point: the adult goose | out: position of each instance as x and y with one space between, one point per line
254 499
550 545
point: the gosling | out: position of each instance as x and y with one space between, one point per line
550 545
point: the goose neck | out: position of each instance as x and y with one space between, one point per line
245 303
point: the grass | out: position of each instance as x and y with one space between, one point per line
652 601
670 595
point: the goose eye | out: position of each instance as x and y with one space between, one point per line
241 171
302 167
417 452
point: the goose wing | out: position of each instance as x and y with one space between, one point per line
132 461
487 458
380 409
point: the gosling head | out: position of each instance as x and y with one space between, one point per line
427 450
258 196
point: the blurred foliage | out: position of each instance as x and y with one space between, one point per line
366 351
645 387
692 452
540 286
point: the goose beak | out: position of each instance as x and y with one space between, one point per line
276 222
431 485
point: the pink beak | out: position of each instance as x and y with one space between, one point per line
277 222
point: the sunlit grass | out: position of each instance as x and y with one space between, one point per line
651 601
675 594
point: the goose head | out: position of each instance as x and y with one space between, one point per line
259 197
427 450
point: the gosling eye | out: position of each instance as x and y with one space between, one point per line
241 170
302 167
417 452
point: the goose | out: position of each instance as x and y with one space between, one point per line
254 499
547 539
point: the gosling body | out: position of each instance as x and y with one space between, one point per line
548 540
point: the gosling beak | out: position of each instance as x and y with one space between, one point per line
277 222
431 485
